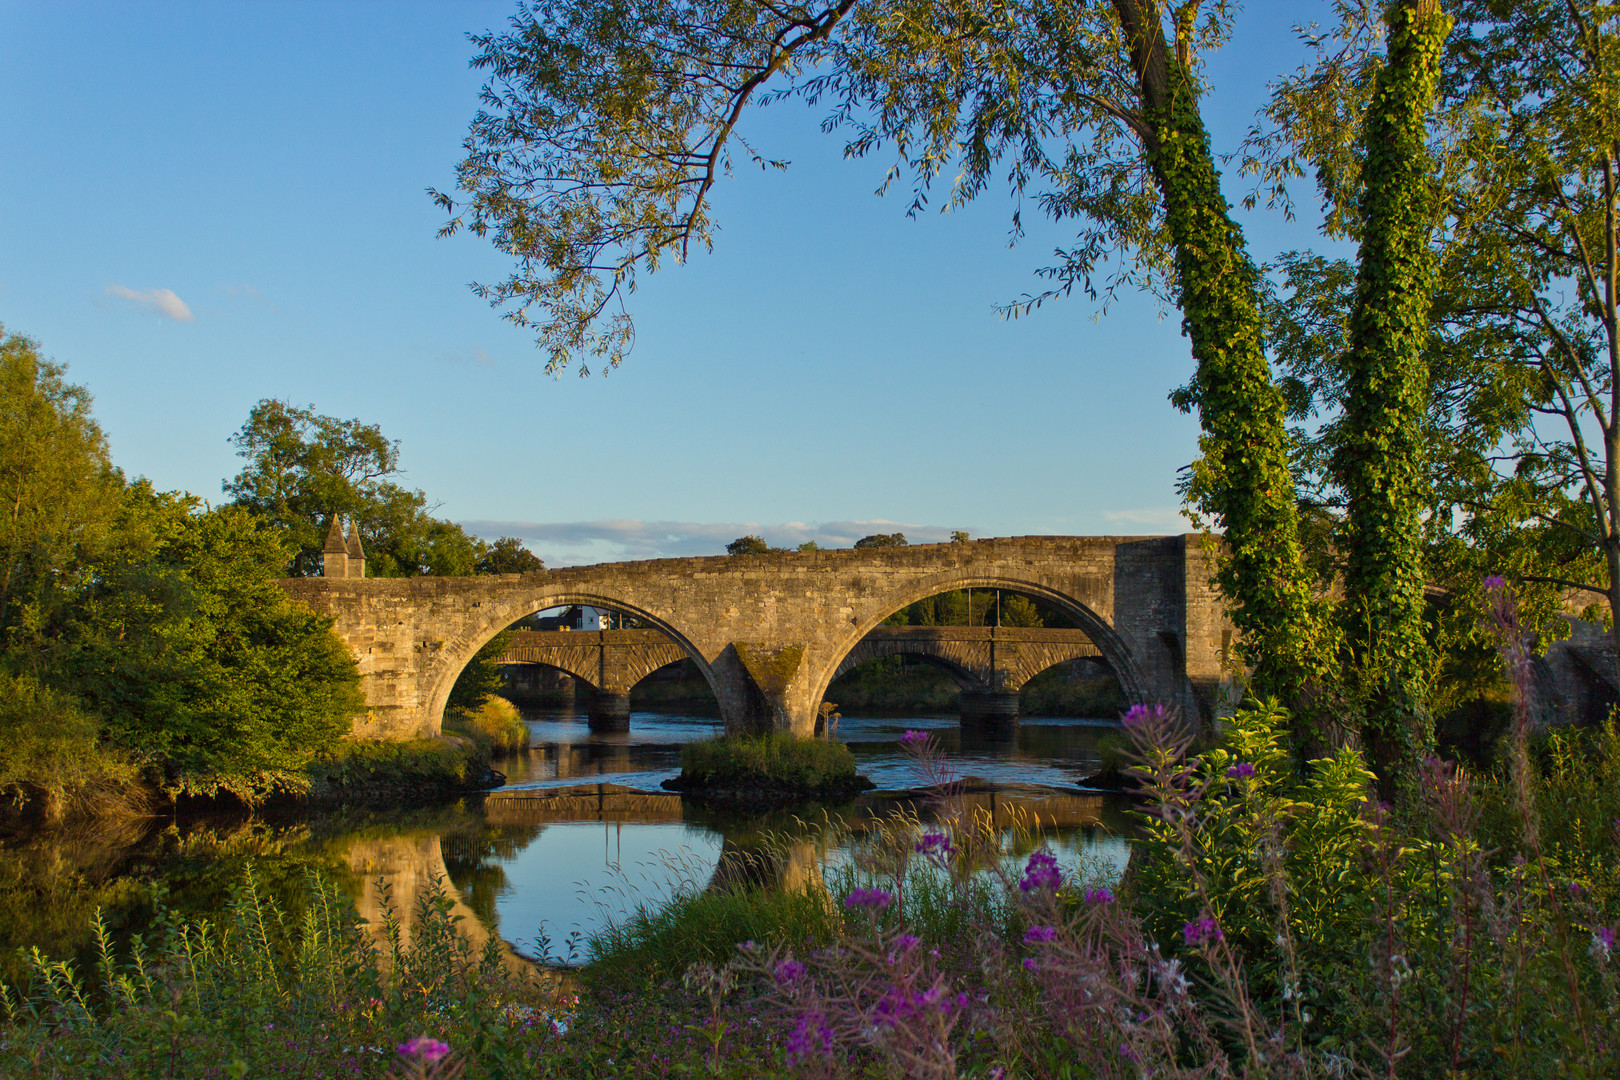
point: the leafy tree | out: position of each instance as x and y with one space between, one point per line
303 469
508 556
1381 456
749 545
882 540
196 659
607 122
959 537
58 490
808 545
1523 446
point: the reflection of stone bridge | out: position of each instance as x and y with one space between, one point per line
990 663
769 632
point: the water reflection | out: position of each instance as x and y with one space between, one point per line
549 859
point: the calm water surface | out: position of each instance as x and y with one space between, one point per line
581 834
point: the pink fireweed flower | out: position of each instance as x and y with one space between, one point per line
1495 582
1140 714
425 1048
1041 872
912 738
810 1037
789 971
1201 930
872 898
1031 964
1099 896
1241 771
935 843
1602 942
1040 933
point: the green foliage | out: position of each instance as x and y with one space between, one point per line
1276 859
304 469
50 748
1241 480
197 659
1386 398
507 555
267 990
389 769
749 545
496 722
696 925
481 677
61 491
882 540
767 761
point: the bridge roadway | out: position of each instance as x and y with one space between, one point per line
769 632
990 663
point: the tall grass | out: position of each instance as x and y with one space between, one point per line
774 760
264 992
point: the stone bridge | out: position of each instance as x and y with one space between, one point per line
769 632
609 661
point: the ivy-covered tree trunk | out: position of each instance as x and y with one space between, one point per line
1381 457
1243 478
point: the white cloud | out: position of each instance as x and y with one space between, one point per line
161 301
574 543
1161 520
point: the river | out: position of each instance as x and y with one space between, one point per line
580 835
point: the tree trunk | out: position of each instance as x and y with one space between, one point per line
1242 479
1381 459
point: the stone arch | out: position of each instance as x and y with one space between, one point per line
457 651
864 650
1112 647
565 668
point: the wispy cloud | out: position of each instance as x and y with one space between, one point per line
159 301
253 296
1164 520
572 543
472 358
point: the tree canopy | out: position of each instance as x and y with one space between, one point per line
303 469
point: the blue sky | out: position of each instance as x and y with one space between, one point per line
208 204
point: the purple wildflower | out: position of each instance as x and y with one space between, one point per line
1140 714
1099 896
1041 872
808 1038
789 971
1241 771
912 738
935 843
872 898
1495 582
1031 964
906 942
1201 930
1602 942
423 1047
1040 933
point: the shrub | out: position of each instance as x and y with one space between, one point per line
363 769
496 722
775 760
51 755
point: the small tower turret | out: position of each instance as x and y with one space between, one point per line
335 553
357 554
